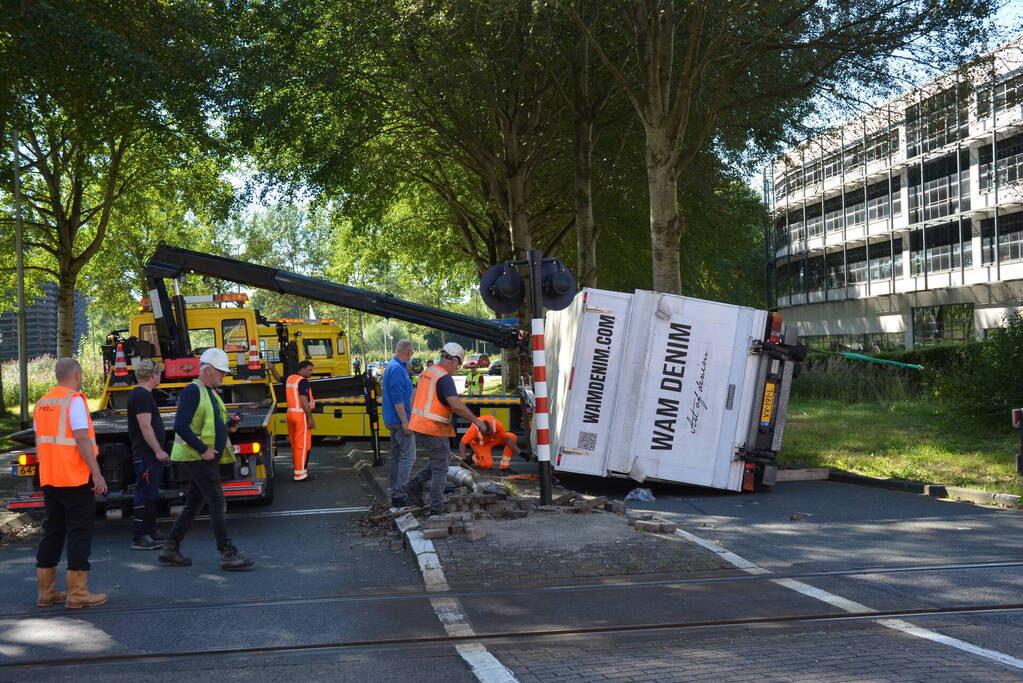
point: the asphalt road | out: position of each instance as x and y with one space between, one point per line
315 586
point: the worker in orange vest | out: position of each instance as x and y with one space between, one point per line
300 419
70 477
433 404
481 445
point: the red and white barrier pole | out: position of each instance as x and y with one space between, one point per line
541 421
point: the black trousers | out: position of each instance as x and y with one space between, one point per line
71 515
203 487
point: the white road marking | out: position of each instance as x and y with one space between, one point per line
283 513
851 606
485 666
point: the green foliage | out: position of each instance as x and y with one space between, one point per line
985 379
832 378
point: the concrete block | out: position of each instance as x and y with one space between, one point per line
566 498
618 507
548 508
634 514
580 505
646 515
458 529
485 498
668 527
497 505
474 533
647 525
438 532
631 521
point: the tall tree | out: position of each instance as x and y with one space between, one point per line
113 95
701 70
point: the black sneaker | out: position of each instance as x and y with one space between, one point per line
171 555
232 560
413 496
145 542
157 536
399 503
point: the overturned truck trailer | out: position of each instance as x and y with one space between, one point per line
660 387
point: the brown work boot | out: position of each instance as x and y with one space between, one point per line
46 577
78 594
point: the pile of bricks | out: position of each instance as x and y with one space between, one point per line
645 521
488 505
442 526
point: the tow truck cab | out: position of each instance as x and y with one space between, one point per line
247 393
319 340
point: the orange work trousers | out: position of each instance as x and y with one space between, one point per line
301 438
484 459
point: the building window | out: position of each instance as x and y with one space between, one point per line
936 324
1006 94
944 190
946 248
814 220
855 208
853 156
878 199
832 166
1010 238
814 173
833 214
880 145
856 265
882 265
938 120
1009 164
835 270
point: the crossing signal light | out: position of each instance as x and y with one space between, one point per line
557 286
502 288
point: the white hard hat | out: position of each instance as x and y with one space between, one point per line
453 349
215 357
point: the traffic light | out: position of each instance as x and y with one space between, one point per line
502 288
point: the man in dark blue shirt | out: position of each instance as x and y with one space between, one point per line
397 409
148 440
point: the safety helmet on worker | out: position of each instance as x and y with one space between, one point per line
454 350
215 358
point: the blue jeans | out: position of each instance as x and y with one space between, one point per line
436 473
148 475
403 456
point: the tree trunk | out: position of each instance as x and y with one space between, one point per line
585 230
3 403
665 222
66 317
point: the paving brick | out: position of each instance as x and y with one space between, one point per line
474 533
435 533
647 525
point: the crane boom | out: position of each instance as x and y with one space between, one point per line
174 262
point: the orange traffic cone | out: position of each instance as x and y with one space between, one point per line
120 366
254 363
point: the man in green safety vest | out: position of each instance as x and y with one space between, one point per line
200 445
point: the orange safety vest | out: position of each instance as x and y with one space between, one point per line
430 415
291 392
60 463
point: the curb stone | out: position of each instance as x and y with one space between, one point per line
957 493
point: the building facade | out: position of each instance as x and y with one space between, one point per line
904 226
40 325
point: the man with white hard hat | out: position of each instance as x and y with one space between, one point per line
201 427
433 404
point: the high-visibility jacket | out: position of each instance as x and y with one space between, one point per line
203 425
292 395
60 463
430 415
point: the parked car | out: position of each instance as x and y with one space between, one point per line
477 360
495 368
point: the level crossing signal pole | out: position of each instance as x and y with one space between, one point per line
552 286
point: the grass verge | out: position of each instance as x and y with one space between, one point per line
900 440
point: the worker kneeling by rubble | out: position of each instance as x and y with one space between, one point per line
483 444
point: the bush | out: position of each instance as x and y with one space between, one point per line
827 377
41 378
986 380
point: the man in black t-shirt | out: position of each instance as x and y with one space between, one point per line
146 431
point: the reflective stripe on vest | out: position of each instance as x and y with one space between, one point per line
429 414
60 462
292 395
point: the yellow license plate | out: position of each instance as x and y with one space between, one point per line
765 412
26 470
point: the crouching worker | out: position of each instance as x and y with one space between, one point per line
200 445
70 477
482 444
